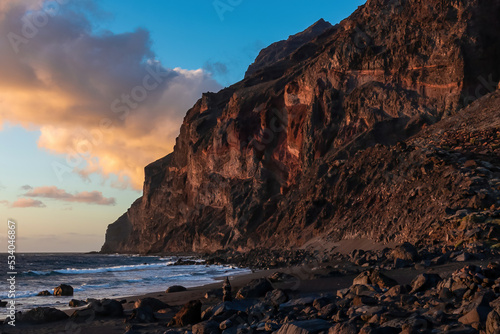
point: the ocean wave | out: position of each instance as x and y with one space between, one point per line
79 271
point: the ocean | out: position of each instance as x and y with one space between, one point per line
102 276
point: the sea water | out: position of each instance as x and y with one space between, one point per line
102 276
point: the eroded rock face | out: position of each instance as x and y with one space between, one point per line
307 147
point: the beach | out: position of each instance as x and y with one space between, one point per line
309 283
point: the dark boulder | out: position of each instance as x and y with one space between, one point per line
175 288
255 289
153 303
63 290
41 315
424 282
44 293
142 314
107 307
77 303
190 314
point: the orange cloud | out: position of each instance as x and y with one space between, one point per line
27 203
102 101
52 192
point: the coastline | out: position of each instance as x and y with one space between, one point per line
310 284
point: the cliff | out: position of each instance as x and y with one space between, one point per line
359 132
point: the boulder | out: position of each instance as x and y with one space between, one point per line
63 290
44 293
41 315
206 327
77 303
107 307
493 321
305 327
83 315
405 252
153 303
142 314
424 282
255 289
175 288
276 297
374 277
190 314
343 328
214 293
478 315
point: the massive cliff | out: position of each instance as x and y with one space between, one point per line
359 131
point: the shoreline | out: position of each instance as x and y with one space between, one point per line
310 283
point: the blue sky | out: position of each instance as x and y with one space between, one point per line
42 114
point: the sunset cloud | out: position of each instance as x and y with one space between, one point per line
100 99
52 192
27 203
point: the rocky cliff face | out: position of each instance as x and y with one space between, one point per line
327 142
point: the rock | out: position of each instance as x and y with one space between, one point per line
3 303
206 327
226 291
374 277
153 303
405 252
175 288
77 303
305 327
424 282
477 316
214 293
396 290
276 297
255 289
107 307
83 315
190 314
225 324
493 322
142 314
63 290
44 293
41 315
343 328
364 300
463 257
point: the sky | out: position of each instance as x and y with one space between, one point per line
92 91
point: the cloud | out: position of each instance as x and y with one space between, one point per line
100 99
27 203
52 192
26 187
216 68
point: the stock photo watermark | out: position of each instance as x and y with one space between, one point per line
223 6
11 272
32 22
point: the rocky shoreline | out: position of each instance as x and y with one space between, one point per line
399 290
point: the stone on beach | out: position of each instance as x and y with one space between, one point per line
63 290
190 314
41 315
44 293
175 288
153 303
255 289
